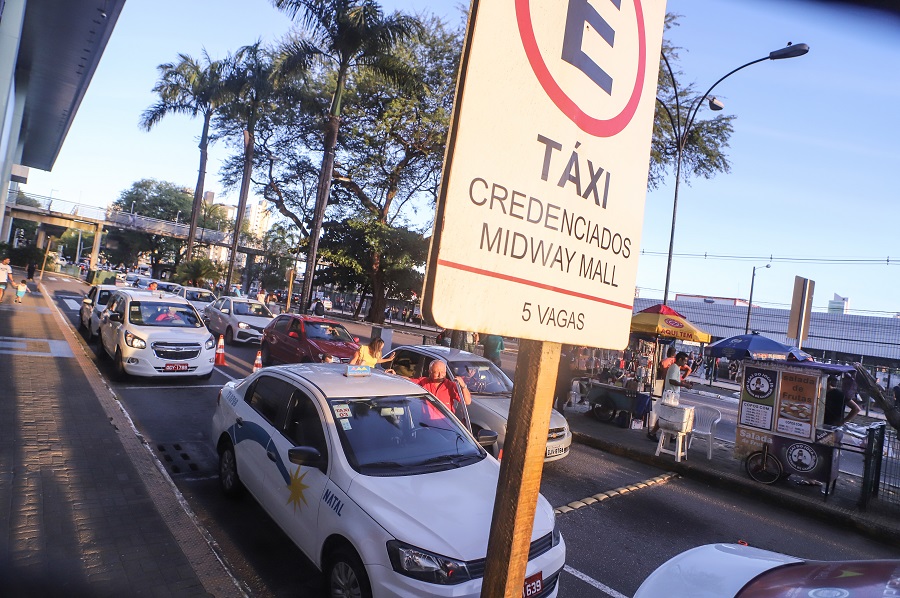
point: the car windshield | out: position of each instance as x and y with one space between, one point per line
200 296
482 377
327 332
159 313
402 435
246 308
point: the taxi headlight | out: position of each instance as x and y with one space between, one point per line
426 566
134 341
210 342
243 325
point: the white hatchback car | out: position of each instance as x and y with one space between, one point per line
151 333
239 319
92 306
199 298
491 392
373 478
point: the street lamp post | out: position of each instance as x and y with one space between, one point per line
750 302
682 133
176 216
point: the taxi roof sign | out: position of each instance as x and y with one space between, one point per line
358 371
538 226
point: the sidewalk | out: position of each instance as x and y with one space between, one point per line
878 520
86 510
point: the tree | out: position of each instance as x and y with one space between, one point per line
157 199
198 272
194 88
703 152
349 34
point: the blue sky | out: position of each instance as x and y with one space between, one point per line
813 152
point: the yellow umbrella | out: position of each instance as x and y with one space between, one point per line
663 321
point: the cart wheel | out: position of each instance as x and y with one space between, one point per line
764 467
604 409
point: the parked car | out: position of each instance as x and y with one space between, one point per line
143 282
373 479
199 298
491 392
168 287
148 333
92 306
293 338
239 319
731 570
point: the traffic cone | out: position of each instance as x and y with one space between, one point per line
220 351
257 365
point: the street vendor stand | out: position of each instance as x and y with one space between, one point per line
780 430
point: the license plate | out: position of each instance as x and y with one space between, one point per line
552 451
176 367
533 585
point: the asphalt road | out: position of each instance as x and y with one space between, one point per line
611 546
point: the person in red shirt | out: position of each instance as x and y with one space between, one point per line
437 383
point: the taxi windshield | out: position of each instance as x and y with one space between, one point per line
142 313
482 377
247 308
402 435
327 332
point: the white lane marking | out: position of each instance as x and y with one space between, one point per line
72 304
11 345
229 376
51 278
593 582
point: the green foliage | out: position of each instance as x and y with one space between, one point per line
69 241
22 256
198 272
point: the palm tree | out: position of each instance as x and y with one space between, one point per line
197 272
194 88
348 34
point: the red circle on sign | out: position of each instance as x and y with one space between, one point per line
587 123
674 323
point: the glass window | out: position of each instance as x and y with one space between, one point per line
304 425
200 296
401 435
281 324
143 313
327 331
407 363
248 308
103 297
270 397
296 326
482 377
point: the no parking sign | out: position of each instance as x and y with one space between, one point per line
538 226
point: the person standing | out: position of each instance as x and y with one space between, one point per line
836 403
568 369
6 277
493 347
445 390
370 354
673 383
31 268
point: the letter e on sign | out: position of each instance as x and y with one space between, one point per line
555 106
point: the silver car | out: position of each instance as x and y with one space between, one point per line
92 305
491 392
199 298
238 319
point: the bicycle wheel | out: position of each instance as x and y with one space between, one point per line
764 467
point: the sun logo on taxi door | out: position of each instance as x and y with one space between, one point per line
297 487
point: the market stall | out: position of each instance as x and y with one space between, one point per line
661 321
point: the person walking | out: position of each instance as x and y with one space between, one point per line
493 347
21 289
6 277
31 268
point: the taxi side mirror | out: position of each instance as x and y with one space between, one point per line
309 456
293 334
226 311
115 316
486 438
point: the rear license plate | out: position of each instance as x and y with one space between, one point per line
533 585
552 451
176 367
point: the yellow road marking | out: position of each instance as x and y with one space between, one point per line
601 496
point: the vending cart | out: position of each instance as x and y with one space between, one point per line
780 430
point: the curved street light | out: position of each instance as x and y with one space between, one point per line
681 134
750 302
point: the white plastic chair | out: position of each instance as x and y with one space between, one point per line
705 420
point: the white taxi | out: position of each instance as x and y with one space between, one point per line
376 482
152 333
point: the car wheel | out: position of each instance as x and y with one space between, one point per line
266 355
228 473
119 366
346 575
229 336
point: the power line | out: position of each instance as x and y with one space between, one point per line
884 261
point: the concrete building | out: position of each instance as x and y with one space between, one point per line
258 217
49 51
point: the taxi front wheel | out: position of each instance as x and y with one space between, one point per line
347 575
228 474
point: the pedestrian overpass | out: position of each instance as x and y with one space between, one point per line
49 211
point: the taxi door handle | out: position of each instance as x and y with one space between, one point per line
239 421
271 456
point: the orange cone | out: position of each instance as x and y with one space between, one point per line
257 365
220 351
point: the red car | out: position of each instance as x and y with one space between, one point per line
293 338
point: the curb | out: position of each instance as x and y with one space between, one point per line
814 506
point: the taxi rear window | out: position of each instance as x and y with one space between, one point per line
401 435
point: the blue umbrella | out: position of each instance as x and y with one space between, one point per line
753 346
